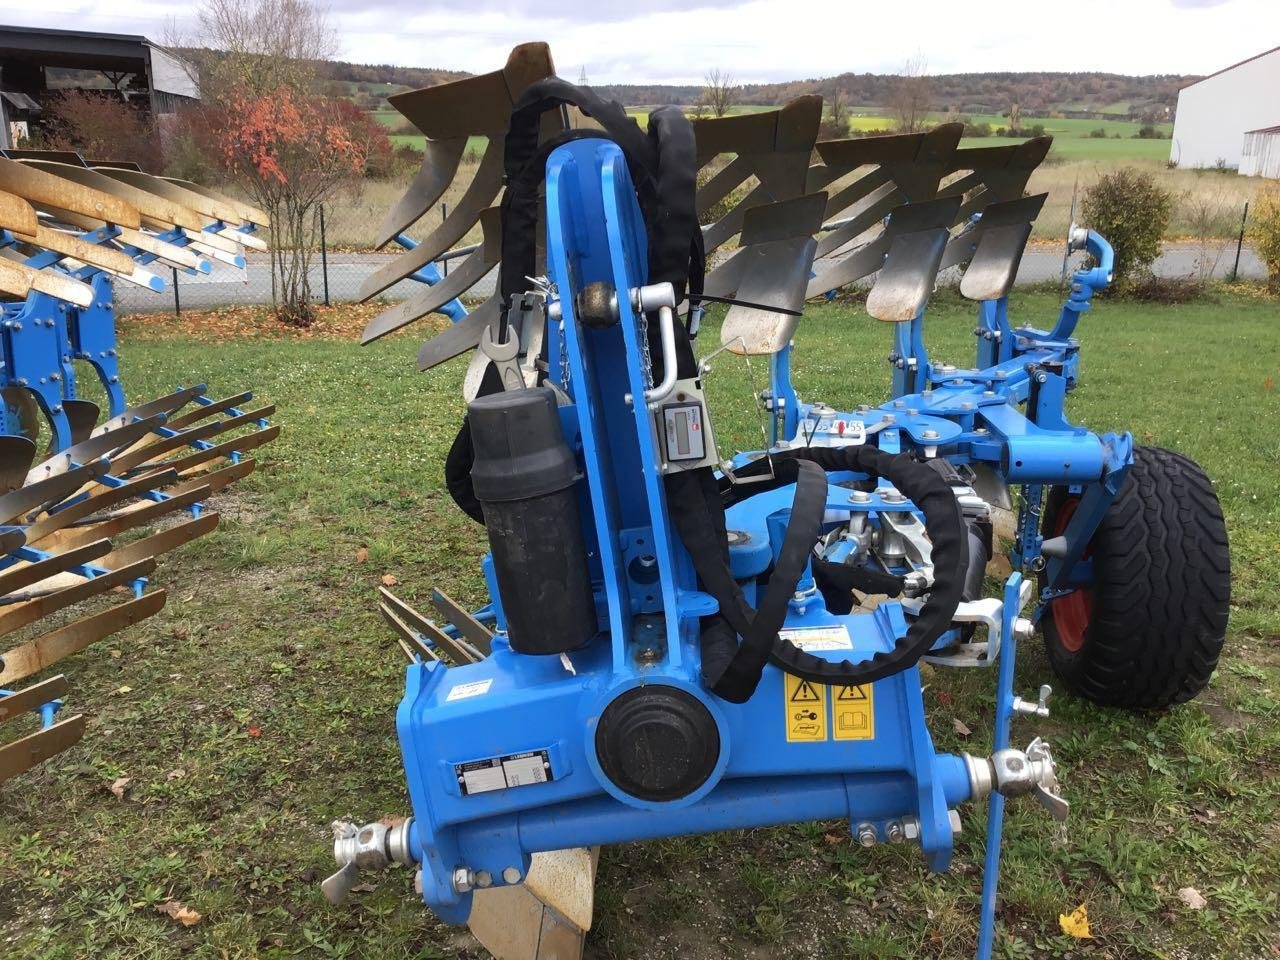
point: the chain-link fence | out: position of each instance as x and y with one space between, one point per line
1210 244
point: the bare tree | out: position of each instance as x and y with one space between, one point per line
720 93
1015 118
836 124
263 45
909 99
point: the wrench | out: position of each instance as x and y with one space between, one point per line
503 355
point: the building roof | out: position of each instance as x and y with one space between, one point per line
1257 56
87 50
1275 129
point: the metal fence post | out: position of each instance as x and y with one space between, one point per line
177 302
444 212
1235 271
324 257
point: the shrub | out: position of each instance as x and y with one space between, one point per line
102 127
1265 233
1099 134
977 129
1132 211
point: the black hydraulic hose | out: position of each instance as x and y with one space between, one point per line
947 532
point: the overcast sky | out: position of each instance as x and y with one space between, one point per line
763 40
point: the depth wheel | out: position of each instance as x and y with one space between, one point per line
1147 632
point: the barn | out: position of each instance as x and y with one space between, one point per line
1217 112
35 62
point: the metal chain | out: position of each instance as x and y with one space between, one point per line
645 360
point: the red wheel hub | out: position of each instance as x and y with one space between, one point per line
1072 611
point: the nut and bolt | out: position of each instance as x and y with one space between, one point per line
929 434
463 880
866 835
484 879
859 496
894 831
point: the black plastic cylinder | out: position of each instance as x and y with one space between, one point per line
524 476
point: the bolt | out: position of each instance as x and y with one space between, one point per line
893 831
1023 628
484 878
866 835
966 405
899 404
930 434
859 496
910 828
954 817
463 880
511 875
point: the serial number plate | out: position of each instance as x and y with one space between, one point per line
503 773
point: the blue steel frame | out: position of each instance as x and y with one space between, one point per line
973 417
510 703
43 336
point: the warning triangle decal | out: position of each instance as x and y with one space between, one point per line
851 693
805 693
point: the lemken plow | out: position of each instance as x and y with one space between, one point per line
74 478
682 638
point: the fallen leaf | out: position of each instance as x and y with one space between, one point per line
1192 898
188 598
959 727
120 786
125 689
180 912
388 580
363 888
1268 383
1076 923
362 555
175 774
945 698
115 654
255 731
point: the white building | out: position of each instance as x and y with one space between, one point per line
1215 113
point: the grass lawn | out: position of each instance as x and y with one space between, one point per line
258 705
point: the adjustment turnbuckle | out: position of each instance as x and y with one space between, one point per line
1013 773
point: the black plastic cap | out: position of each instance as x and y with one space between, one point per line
520 450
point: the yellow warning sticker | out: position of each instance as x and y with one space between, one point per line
806 705
853 713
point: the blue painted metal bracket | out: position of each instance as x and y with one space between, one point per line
430 275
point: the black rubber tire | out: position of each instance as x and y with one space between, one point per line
1161 590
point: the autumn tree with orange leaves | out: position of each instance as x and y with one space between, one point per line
293 151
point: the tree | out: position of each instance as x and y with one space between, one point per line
1266 234
293 151
262 45
835 125
909 97
720 93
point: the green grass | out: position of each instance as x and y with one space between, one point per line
272 625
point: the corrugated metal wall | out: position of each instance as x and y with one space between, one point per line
1261 155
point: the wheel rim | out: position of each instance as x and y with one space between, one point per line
1071 612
